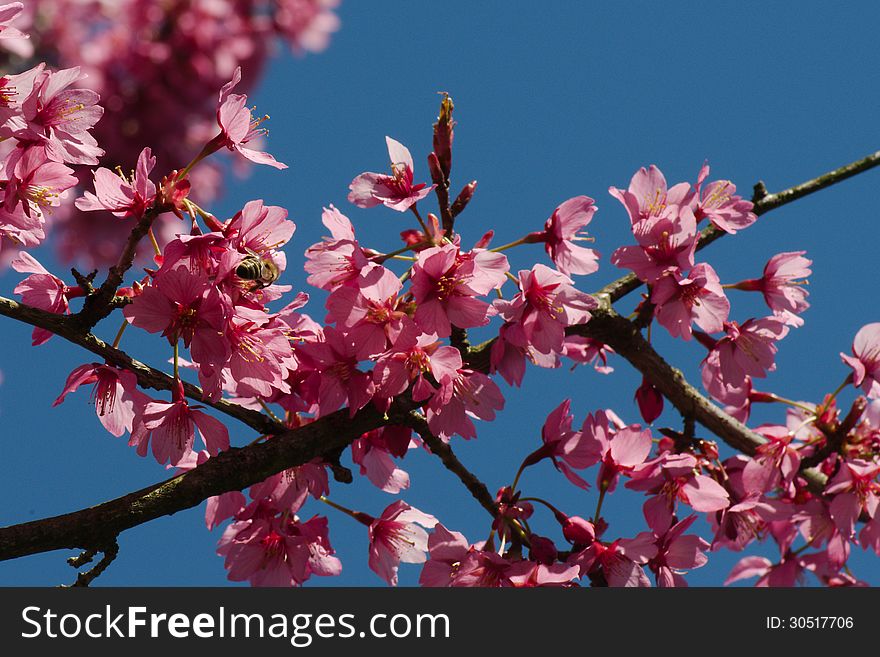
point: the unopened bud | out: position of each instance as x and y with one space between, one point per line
443 135
436 173
464 197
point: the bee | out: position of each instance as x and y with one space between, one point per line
262 270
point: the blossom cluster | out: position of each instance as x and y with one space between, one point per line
393 330
150 60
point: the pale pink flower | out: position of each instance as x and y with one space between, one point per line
697 299
238 126
587 351
395 191
34 181
335 260
784 285
666 243
373 453
718 201
398 536
672 477
9 13
648 195
856 491
619 451
545 305
121 196
446 552
676 553
562 231
59 117
115 394
42 290
865 361
259 228
289 489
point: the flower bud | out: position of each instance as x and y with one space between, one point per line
464 197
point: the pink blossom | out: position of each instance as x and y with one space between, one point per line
855 491
446 552
445 284
567 449
413 356
289 489
119 195
59 118
618 564
786 573
9 13
546 304
338 259
619 451
171 427
666 243
373 453
483 568
697 299
115 394
398 536
42 290
718 201
561 232
269 550
783 285
306 24
529 574
184 306
748 350
369 310
865 361
35 181
259 228
238 126
676 553
648 195
336 374
587 351
395 191
460 397
672 478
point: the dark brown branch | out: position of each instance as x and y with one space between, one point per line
476 487
234 469
764 203
86 578
147 377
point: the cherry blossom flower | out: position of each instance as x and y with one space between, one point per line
238 126
697 299
119 195
336 260
855 491
676 553
718 201
34 181
289 489
561 232
115 394
269 550
783 285
395 191
648 195
336 374
666 243
565 448
748 350
619 451
865 361
446 552
546 304
413 356
9 13
460 397
398 535
59 118
672 478
42 290
171 428
445 284
373 453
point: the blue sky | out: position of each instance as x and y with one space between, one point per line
551 103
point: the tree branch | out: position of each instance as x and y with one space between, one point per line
235 469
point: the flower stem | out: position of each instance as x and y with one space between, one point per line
269 411
176 370
509 245
421 221
360 517
154 242
602 490
119 333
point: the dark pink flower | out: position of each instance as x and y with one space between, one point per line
786 573
270 550
336 374
338 259
587 351
697 299
413 356
561 232
865 361
42 290
856 491
398 535
289 489
619 451
121 196
237 125
171 428
373 453
445 284
672 477
649 400
676 553
546 304
34 181
783 285
463 396
567 449
115 395
395 191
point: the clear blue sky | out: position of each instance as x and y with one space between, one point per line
551 102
